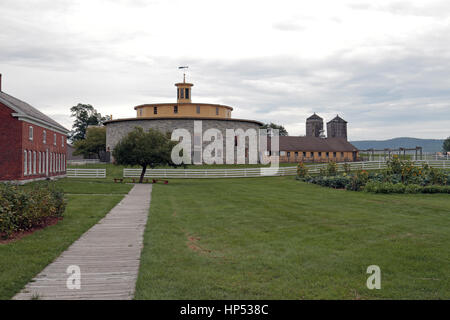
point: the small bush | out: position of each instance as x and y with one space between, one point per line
24 208
331 168
302 170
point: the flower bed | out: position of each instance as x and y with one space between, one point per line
23 209
399 177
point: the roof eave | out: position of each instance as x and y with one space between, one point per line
22 117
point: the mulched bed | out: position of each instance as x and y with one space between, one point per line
19 235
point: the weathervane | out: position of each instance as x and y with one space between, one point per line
184 74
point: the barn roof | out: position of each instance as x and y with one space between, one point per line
314 117
291 143
337 119
25 111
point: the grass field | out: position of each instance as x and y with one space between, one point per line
277 238
21 260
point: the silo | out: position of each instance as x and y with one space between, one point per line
314 126
337 128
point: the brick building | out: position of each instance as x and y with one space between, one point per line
32 145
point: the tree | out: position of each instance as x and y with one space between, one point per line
446 145
282 131
85 115
95 142
146 149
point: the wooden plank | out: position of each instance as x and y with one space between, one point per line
108 256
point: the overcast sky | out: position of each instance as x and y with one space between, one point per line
384 66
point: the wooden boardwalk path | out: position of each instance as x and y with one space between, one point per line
108 256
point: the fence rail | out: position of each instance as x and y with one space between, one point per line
261 172
86 173
211 173
83 161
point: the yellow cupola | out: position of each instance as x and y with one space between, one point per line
184 91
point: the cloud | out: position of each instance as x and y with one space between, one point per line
386 79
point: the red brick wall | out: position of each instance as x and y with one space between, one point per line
37 145
14 140
10 145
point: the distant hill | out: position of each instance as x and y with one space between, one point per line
428 145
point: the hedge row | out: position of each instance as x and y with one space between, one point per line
23 208
388 187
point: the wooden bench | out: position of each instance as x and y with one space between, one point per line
118 180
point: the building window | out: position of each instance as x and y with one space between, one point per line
40 163
44 137
155 110
34 162
182 93
25 162
54 139
62 141
140 112
334 154
217 111
328 154
187 93
342 154
30 163
296 154
304 154
175 109
178 93
198 109
282 153
312 154
30 133
288 154
320 154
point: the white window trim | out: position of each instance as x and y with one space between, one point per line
25 163
30 133
44 137
30 163
54 139
34 162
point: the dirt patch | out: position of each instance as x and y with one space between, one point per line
19 235
192 243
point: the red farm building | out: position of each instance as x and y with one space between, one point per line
32 145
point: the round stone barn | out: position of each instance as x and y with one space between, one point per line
166 117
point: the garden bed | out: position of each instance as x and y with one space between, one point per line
399 177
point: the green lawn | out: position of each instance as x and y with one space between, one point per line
277 238
21 260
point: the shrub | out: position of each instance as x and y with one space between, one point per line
302 170
394 165
346 168
437 176
413 188
23 208
331 168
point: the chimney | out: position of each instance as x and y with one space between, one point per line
0 82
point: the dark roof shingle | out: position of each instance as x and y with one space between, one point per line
23 108
291 143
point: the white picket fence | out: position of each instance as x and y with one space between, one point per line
86 173
83 161
210 173
378 165
263 172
